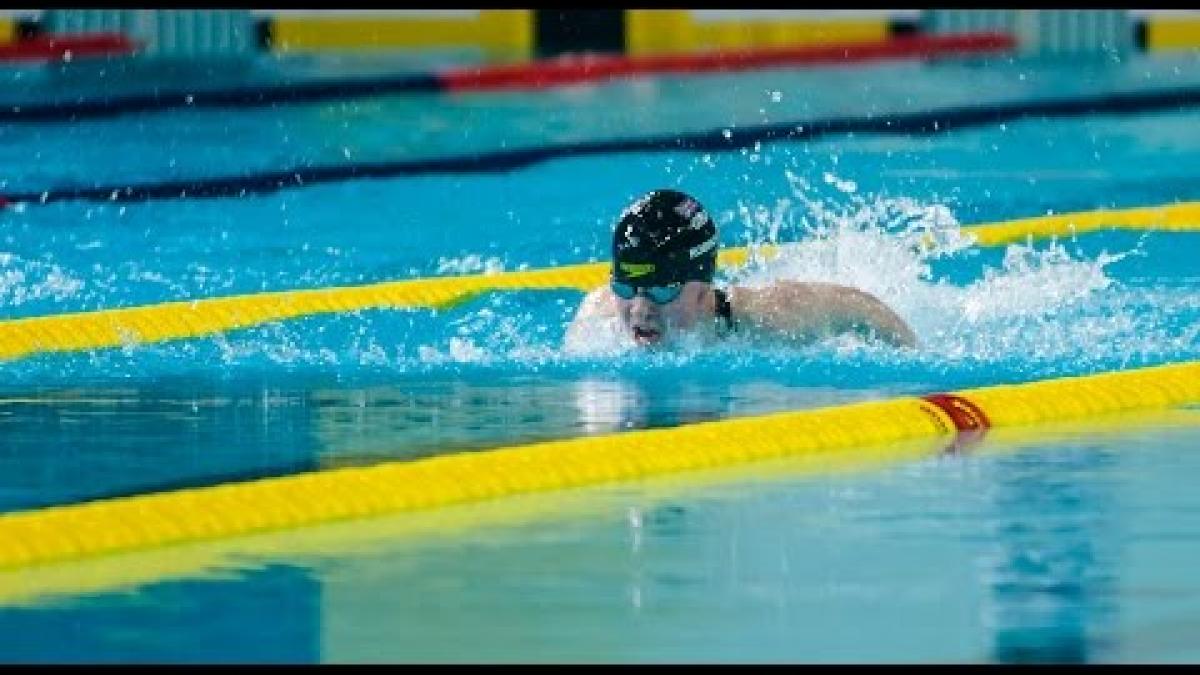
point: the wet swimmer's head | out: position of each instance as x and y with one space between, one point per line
664 256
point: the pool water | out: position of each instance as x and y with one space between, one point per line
1047 545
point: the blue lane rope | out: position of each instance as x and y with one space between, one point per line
713 140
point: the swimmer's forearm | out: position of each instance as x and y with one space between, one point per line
867 314
894 330
888 325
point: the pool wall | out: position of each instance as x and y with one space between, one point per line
520 34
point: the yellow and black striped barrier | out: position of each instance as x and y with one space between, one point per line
526 33
196 318
521 34
1169 33
109 526
659 31
499 33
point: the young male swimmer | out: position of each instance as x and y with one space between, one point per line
661 286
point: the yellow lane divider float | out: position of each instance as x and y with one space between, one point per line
410 531
196 318
1181 217
133 523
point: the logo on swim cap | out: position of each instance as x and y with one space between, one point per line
635 270
702 248
688 207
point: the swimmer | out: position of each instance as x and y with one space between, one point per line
661 286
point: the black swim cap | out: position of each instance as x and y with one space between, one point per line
663 238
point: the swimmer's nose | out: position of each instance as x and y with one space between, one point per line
642 308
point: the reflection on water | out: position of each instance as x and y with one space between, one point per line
77 445
362 425
268 614
1053 564
1011 552
63 446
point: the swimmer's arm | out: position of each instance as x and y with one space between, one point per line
596 306
810 309
865 314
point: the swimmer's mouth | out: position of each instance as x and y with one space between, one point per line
646 336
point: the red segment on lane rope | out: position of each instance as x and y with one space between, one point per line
967 416
56 47
586 68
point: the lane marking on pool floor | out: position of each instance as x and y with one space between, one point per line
130 326
101 527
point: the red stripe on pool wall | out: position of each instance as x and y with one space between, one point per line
967 416
56 47
585 68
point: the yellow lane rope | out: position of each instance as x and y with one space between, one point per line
183 319
1181 217
407 530
404 531
145 521
196 318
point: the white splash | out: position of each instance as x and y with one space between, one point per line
885 246
470 264
1041 301
23 281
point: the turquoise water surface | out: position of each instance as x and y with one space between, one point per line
1054 545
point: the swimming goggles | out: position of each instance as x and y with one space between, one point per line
659 295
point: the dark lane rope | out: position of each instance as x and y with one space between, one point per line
533 75
239 98
715 140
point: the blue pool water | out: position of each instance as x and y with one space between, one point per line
1066 545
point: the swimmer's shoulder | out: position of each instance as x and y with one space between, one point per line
783 295
793 306
750 302
598 306
597 303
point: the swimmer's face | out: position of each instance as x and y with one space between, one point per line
650 324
